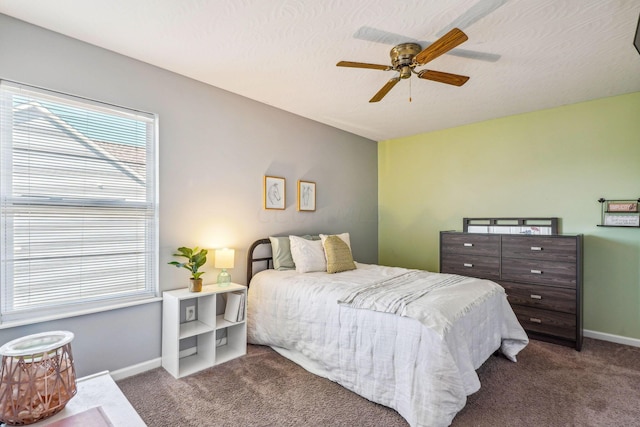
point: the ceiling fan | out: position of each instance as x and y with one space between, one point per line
405 57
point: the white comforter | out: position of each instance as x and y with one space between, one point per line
422 366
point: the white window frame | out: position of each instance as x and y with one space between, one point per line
140 208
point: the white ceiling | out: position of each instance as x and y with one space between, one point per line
521 56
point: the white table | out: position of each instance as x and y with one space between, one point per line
99 390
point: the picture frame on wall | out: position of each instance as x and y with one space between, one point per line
306 196
274 192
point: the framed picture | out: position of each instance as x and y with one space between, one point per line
306 196
274 192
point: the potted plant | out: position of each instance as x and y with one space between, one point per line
195 259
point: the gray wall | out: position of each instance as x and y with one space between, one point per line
215 148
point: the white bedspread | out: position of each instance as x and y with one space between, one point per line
424 369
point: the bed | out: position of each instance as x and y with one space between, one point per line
376 331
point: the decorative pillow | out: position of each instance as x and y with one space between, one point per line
308 255
281 252
338 255
344 236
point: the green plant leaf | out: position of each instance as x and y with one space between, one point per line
186 252
196 259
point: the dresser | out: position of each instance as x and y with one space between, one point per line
542 275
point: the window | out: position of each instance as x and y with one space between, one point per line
78 219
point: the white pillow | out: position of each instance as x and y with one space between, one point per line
344 237
308 255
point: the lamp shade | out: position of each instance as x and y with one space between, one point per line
224 258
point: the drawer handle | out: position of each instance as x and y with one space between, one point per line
536 248
468 244
536 296
466 264
536 271
535 320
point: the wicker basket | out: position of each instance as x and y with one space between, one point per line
37 378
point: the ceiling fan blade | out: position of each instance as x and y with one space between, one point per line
444 44
385 89
439 76
363 65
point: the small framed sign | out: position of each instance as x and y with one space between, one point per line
622 220
622 207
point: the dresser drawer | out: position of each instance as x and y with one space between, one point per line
540 296
543 272
470 244
471 265
546 322
542 248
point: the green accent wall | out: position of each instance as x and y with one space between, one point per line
550 163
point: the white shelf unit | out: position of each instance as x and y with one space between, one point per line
210 304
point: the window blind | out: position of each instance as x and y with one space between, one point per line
78 203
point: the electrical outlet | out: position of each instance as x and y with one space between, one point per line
190 313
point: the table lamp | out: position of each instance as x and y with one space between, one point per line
224 259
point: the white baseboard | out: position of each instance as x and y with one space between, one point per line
136 369
634 342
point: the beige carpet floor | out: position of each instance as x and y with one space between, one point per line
549 386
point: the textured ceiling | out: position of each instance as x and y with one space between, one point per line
521 56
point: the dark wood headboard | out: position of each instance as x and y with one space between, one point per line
251 258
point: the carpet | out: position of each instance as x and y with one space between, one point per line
549 386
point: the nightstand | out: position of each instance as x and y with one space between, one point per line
195 335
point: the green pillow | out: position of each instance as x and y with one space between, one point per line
281 252
338 255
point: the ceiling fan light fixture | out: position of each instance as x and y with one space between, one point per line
405 72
